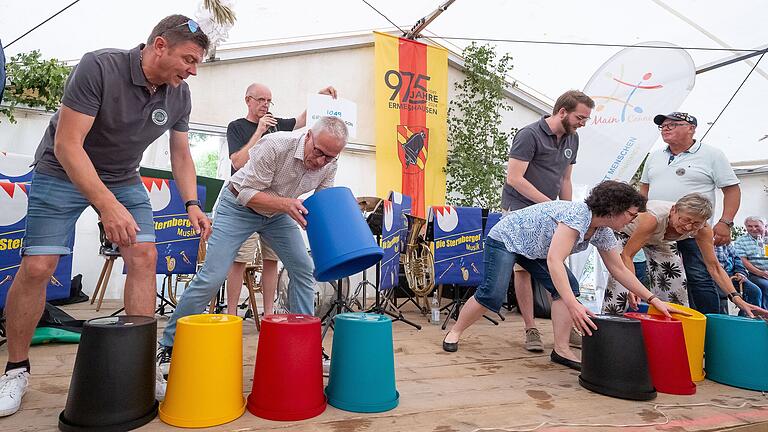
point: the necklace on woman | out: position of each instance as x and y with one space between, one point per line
152 88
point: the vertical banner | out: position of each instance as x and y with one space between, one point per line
391 230
629 90
13 222
411 97
458 247
176 240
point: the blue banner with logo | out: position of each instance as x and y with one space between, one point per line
13 221
404 201
458 244
16 168
391 234
177 242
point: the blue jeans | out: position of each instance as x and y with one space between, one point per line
762 285
641 272
232 225
498 262
55 204
702 292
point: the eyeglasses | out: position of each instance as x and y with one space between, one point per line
582 118
688 222
319 153
262 101
632 214
670 126
191 25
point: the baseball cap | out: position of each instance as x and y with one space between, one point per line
659 119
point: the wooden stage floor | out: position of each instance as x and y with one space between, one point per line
492 382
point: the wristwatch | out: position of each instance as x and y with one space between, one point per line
191 203
729 224
733 295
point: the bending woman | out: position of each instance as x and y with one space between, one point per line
540 238
656 232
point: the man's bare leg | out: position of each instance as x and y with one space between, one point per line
140 281
234 286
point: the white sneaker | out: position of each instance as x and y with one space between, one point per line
13 385
160 385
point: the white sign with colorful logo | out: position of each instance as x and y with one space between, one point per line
629 90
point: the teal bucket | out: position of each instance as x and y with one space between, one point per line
341 242
736 350
362 377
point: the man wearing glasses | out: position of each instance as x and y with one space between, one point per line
262 197
115 104
686 166
540 163
242 135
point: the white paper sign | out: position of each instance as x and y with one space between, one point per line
323 105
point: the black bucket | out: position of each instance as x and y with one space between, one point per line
113 382
613 360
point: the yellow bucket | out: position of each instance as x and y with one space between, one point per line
205 382
694 329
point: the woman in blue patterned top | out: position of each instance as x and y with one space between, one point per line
540 238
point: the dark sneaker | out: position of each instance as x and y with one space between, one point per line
164 359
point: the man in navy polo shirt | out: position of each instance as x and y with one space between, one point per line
115 104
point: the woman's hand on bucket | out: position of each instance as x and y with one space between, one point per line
581 318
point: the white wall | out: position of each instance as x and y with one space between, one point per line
754 198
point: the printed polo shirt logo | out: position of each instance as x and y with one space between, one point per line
568 153
159 116
680 171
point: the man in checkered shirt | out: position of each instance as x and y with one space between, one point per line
751 248
263 197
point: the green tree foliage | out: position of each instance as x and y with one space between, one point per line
477 155
33 82
207 164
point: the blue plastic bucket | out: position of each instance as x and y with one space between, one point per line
362 376
341 242
736 350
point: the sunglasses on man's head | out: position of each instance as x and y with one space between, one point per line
192 25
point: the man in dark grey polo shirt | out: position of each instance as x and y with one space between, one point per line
115 104
541 159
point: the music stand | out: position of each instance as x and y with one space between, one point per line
383 305
339 305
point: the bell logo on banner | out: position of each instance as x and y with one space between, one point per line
411 83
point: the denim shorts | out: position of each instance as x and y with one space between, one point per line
55 204
499 262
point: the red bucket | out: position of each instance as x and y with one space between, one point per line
288 376
667 355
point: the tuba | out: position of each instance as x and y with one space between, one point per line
418 263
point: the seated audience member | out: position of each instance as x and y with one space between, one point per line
733 266
751 248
